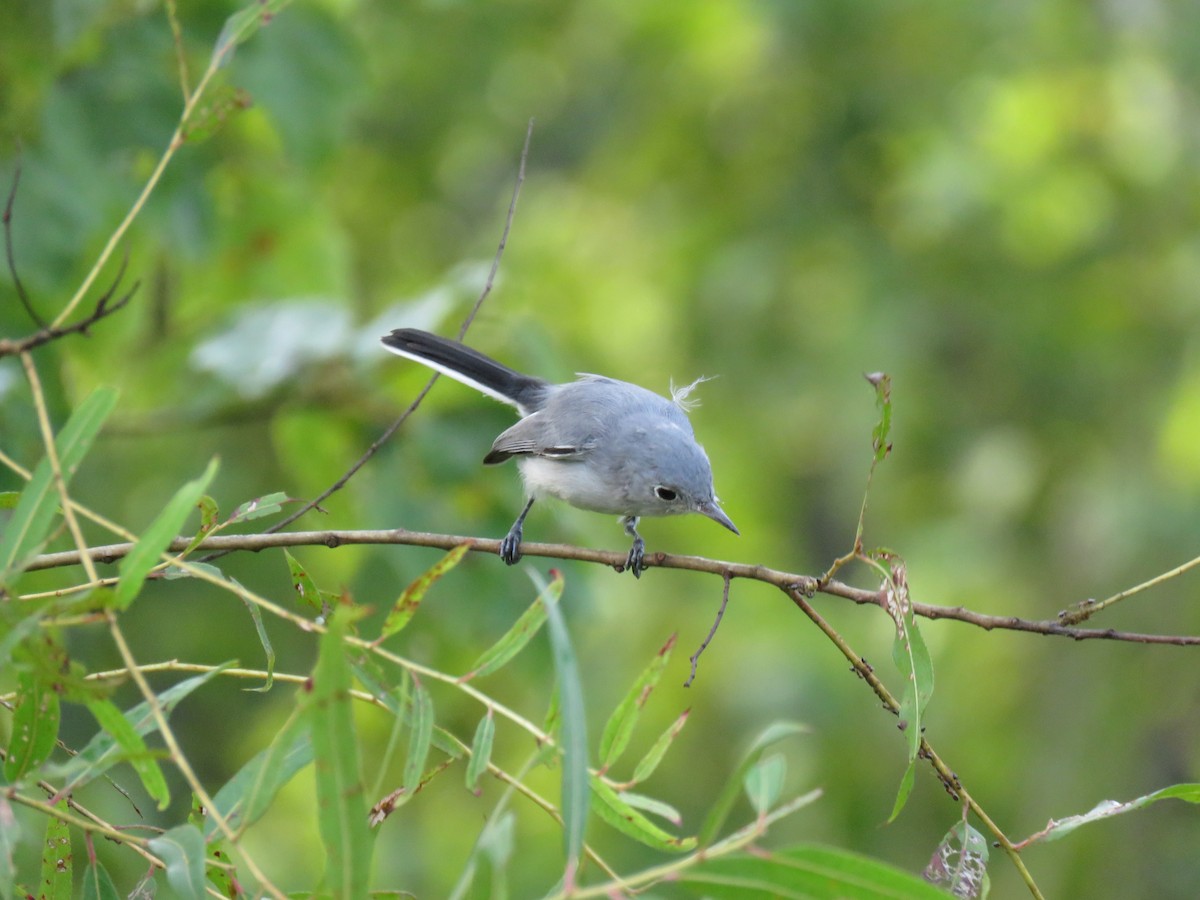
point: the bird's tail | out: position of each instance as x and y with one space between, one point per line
470 367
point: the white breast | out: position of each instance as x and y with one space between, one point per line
572 481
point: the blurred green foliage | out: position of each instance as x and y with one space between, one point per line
995 203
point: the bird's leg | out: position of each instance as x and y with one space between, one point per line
510 547
637 552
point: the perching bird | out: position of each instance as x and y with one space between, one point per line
596 443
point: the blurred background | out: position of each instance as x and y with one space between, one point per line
997 204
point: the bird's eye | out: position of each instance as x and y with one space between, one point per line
664 493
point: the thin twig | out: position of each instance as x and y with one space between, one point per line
412 407
694 659
8 250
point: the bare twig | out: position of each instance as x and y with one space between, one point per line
22 295
412 407
694 659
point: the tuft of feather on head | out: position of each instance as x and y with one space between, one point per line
681 396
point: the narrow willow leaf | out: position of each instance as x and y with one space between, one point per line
263 639
209 513
158 536
406 606
653 806
182 849
574 728
645 768
35 511
342 809
133 749
98 884
395 701
621 815
57 864
422 734
249 793
259 508
242 25
34 726
1106 809
773 733
883 401
521 633
764 783
907 780
103 751
808 871
481 751
619 728
306 588
10 836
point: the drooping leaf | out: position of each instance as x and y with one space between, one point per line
764 783
720 810
182 849
133 749
481 750
342 809
158 536
422 734
261 630
35 511
58 865
410 600
882 382
912 659
619 728
521 633
573 737
34 726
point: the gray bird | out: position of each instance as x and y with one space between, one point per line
599 444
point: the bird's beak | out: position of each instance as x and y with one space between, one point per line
715 513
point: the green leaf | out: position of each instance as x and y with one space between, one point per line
98 884
422 734
907 780
209 513
34 515
242 25
406 606
10 836
182 849
8 499
481 751
306 588
243 799
614 810
764 783
654 806
521 633
133 748
259 508
1106 809
645 768
619 728
573 740
773 733
395 701
57 863
34 726
261 629
158 536
809 872
912 659
882 383
342 809
101 752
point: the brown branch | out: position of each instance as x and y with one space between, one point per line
789 582
694 659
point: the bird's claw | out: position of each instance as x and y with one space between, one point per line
635 563
510 547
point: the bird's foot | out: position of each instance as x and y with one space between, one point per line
636 562
510 547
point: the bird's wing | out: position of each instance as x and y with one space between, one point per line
533 436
